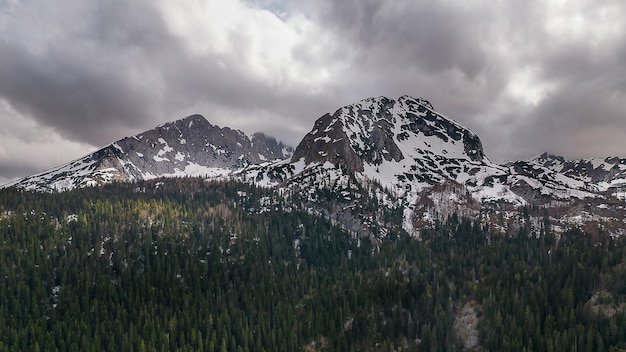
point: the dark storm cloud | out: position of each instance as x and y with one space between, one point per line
82 84
427 35
584 117
440 50
465 58
81 101
123 71
11 170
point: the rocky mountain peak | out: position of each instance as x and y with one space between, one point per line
190 146
377 130
548 160
269 148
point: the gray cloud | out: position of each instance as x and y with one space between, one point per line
14 170
124 71
426 36
444 52
466 59
86 83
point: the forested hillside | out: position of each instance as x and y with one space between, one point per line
189 265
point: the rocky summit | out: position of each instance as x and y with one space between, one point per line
374 131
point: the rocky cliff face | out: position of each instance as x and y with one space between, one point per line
404 145
378 130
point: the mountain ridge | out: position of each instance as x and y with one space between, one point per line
398 154
402 143
190 146
605 173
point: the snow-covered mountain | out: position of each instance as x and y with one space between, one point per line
603 174
186 147
379 153
406 146
407 155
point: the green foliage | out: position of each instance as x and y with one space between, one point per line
188 265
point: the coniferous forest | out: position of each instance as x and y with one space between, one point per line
188 265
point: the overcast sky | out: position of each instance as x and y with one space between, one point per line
526 76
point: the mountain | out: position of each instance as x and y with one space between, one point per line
187 147
394 142
603 174
405 154
407 146
401 134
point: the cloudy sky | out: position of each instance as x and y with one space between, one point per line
527 76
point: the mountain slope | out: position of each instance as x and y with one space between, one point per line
206 266
186 147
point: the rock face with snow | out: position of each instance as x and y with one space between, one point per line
406 146
601 173
373 132
187 147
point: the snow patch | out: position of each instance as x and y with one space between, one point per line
179 156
